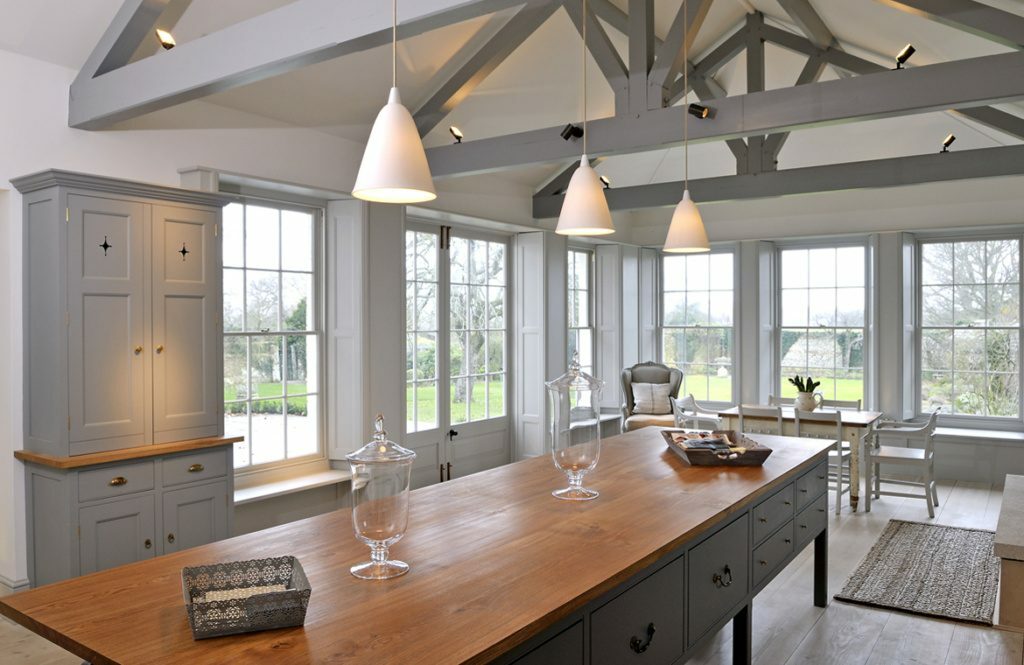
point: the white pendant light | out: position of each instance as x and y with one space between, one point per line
585 208
394 167
686 232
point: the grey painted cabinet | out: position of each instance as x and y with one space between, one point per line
194 516
117 533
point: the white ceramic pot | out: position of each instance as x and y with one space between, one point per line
807 401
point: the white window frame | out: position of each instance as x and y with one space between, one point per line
823 243
318 312
733 250
963 419
589 364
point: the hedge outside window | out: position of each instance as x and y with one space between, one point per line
970 327
271 335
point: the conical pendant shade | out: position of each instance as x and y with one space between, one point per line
686 232
394 167
585 209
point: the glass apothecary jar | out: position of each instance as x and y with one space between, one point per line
574 428
381 473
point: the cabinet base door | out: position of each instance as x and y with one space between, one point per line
116 533
195 516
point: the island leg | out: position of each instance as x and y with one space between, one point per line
742 634
821 569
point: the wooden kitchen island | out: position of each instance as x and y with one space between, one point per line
501 571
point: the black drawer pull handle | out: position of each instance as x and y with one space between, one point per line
821 477
638 645
803 491
821 510
787 503
723 579
787 541
762 519
803 526
763 562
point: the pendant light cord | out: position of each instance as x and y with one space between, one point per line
686 93
394 43
584 77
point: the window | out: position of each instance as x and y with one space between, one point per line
697 323
271 332
970 327
822 307
581 308
421 282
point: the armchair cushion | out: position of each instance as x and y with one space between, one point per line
652 398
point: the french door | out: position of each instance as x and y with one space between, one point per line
456 352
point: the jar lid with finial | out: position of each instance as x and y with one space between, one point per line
381 449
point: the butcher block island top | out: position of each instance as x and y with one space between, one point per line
495 560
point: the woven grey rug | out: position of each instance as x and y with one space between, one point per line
929 569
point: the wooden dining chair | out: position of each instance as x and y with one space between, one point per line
921 459
760 413
838 456
846 404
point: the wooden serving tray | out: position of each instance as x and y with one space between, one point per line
744 451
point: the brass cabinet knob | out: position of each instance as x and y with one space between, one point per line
196 468
763 562
159 348
138 350
762 519
148 544
117 481
170 537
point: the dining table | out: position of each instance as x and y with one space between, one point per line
857 427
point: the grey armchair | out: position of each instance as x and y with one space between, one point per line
648 372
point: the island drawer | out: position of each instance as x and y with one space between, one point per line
565 648
772 513
718 577
811 520
645 620
769 556
111 481
181 469
810 485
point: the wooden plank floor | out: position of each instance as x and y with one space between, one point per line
788 629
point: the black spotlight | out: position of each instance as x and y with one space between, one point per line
571 131
946 142
904 55
699 111
456 133
605 181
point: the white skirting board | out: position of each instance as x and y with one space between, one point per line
9 586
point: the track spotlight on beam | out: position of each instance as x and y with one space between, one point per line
606 181
904 55
946 142
166 39
456 133
698 111
571 131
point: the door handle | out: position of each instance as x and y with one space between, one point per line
148 544
452 434
638 645
441 479
138 350
449 465
170 537
722 579
159 348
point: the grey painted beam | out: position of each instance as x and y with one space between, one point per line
558 183
990 117
641 52
479 64
812 71
755 83
959 84
608 12
668 61
295 35
133 21
172 13
876 173
706 92
604 53
974 17
711 63
811 24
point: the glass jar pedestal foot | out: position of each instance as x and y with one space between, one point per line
379 567
575 491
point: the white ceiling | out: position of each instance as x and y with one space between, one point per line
538 85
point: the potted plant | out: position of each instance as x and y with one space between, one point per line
806 399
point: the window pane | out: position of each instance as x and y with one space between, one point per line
696 381
936 391
822 267
459 307
850 266
477 353
574 309
675 273
234 290
265 370
410 407
970 393
495 352
1003 261
410 357
850 307
1002 348
721 271
496 395
721 308
478 307
822 305
497 263
969 350
302 426
937 263
585 346
236 423
426 257
297 240
426 405
850 349
672 348
1004 305
267 431
426 306
697 272
297 293
478 261
262 300
496 308
794 268
459 400
698 305
478 393
426 356
794 349
675 309
1003 394
457 353
262 237
969 305
458 254
233 244
937 349
821 349
794 307
969 262
236 368
937 306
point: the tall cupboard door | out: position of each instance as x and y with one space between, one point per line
106 323
113 534
186 349
195 516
